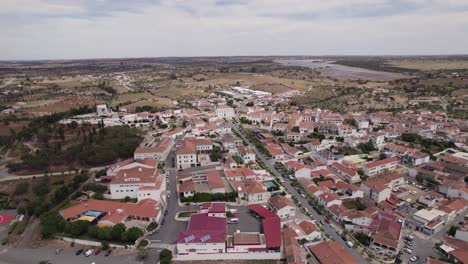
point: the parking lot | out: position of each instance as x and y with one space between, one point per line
421 247
247 222
407 191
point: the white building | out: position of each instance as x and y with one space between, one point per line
246 154
102 110
224 111
282 206
193 152
155 150
376 167
139 182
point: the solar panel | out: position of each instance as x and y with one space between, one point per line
205 238
189 238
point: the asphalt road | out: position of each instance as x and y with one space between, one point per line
167 233
30 256
330 231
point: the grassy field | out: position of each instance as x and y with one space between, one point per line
425 65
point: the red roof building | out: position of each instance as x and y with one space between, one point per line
330 252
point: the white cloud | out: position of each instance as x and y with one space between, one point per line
84 29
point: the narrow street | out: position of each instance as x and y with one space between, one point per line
330 231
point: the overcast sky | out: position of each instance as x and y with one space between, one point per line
59 29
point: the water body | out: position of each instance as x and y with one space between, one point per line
327 68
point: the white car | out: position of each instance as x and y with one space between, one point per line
89 252
408 250
414 258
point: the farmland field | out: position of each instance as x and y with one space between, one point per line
425 65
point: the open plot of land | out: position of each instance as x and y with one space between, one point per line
255 81
425 65
141 99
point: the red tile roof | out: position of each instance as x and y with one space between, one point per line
201 227
271 225
279 202
330 252
114 210
380 162
344 169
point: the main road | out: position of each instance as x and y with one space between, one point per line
330 231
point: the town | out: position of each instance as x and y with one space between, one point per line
248 175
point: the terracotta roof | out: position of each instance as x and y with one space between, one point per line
308 227
250 186
330 252
214 180
136 175
289 233
279 202
435 261
386 230
244 172
114 210
292 251
377 163
344 169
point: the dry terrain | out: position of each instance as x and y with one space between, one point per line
428 64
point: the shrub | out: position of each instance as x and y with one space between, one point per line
21 188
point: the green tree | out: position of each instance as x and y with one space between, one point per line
117 231
452 230
21 188
419 178
104 233
165 256
133 233
51 223
77 228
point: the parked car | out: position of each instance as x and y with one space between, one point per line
414 258
408 250
163 221
409 237
108 252
57 251
97 252
89 252
349 244
79 252
166 212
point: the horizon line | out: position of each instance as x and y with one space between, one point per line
237 56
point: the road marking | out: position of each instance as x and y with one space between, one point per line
154 244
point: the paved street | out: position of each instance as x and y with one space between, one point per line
331 232
167 233
31 256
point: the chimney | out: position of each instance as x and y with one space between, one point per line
125 174
139 169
